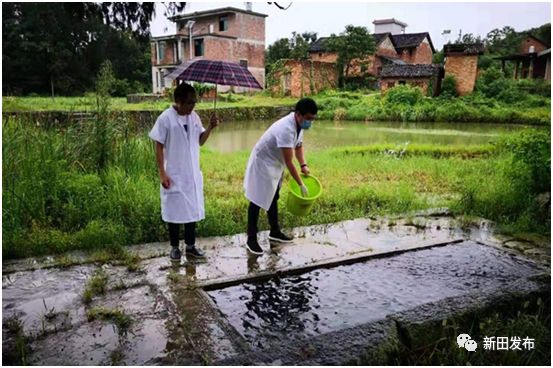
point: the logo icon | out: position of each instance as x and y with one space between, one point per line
465 341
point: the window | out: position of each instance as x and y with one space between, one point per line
391 84
244 63
401 82
199 47
161 51
161 79
223 23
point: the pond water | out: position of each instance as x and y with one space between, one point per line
333 299
242 135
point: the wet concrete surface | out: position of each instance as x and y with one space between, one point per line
328 300
174 321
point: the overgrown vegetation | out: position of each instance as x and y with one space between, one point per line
57 200
532 320
15 343
406 103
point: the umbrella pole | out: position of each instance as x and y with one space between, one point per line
215 100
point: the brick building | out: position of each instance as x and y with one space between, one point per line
228 34
297 78
393 46
533 59
427 77
461 61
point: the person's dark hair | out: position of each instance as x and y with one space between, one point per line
306 106
182 91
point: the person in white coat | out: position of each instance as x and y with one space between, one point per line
273 153
179 133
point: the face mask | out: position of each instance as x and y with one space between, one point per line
306 124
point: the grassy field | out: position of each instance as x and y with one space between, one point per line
82 188
399 104
11 104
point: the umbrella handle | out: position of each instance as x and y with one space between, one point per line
215 100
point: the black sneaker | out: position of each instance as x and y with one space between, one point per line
278 236
175 254
194 252
253 246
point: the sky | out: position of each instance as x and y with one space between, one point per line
332 17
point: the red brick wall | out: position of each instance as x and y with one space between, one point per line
386 48
530 41
168 56
327 57
250 27
202 26
464 68
304 77
153 52
421 55
217 48
254 54
240 25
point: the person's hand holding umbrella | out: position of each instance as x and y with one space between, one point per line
213 121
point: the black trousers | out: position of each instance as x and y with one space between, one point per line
272 215
189 233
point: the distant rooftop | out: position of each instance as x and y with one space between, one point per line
409 71
400 41
389 21
211 12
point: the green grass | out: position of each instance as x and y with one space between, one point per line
335 105
440 346
10 103
56 199
119 318
96 285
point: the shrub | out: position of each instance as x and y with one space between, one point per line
532 148
403 95
449 87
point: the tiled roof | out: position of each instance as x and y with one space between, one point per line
409 70
319 45
463 48
410 40
400 41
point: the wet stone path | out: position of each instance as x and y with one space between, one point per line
332 277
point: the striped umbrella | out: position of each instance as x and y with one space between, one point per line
217 72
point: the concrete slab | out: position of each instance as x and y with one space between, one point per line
175 321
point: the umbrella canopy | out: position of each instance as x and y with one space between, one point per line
218 72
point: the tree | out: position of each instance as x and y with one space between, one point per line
503 41
354 43
295 47
469 38
277 51
300 43
46 45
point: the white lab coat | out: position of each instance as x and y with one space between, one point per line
183 201
266 164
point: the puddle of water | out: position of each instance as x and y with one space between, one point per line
333 299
